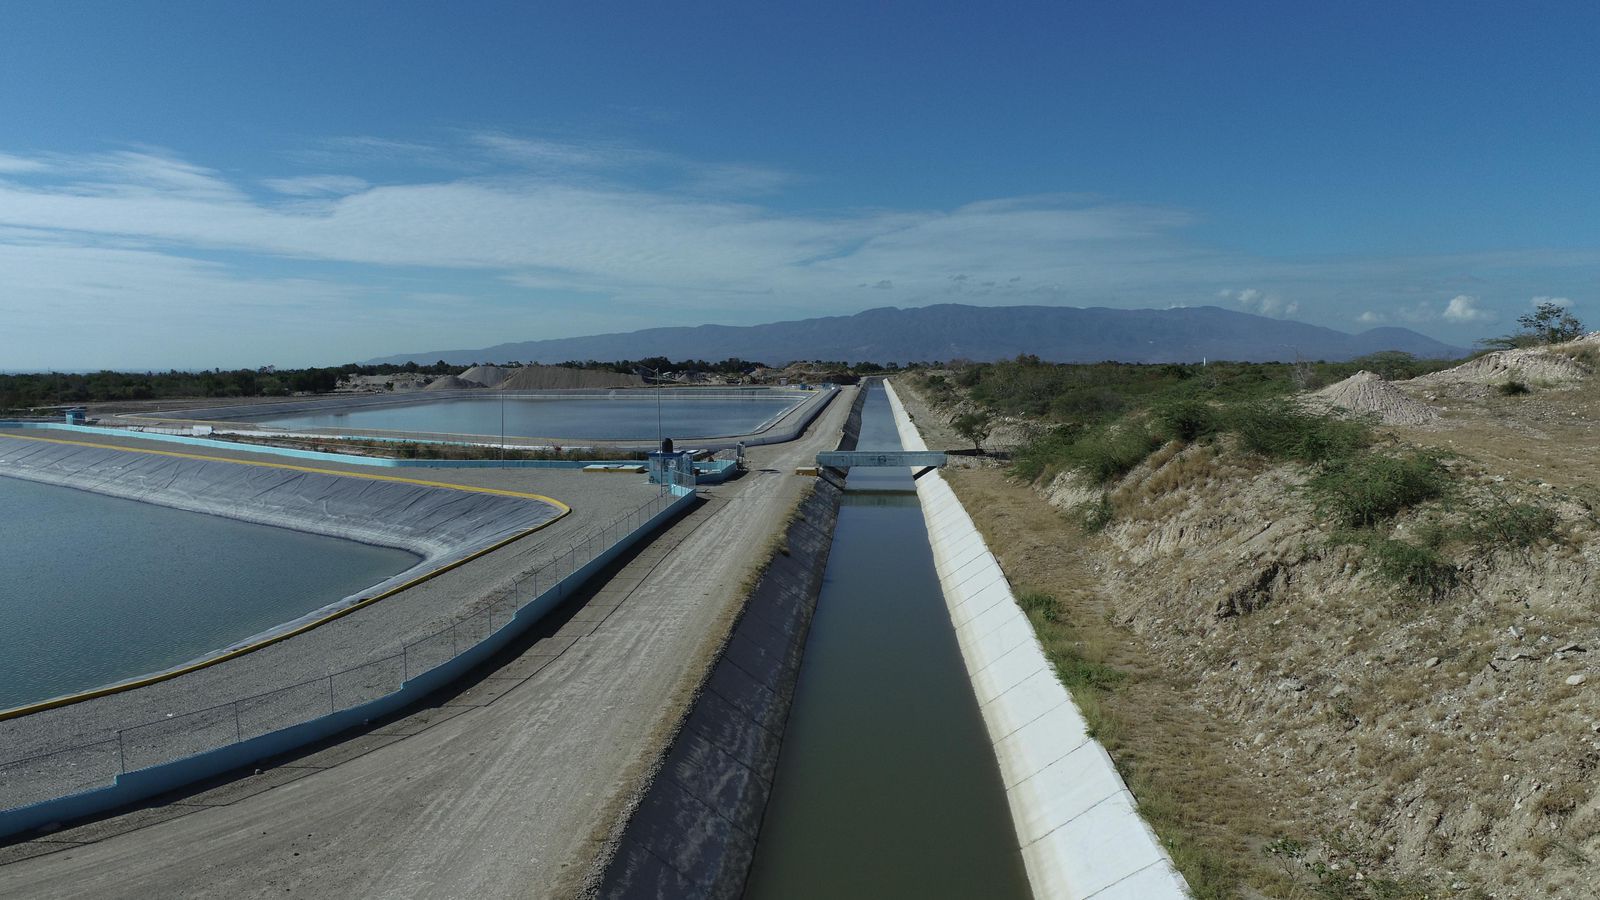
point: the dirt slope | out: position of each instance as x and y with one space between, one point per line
1372 744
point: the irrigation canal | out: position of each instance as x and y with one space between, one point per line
887 785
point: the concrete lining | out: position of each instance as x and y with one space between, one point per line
1079 826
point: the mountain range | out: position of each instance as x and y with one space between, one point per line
980 333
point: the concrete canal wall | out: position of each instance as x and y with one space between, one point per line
1080 831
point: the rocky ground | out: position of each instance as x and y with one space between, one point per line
1372 742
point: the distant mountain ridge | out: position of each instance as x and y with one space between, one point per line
981 333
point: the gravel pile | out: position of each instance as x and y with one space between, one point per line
488 376
1542 364
1367 394
451 383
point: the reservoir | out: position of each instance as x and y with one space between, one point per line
641 415
887 785
97 589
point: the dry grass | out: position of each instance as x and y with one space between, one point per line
1209 814
1281 716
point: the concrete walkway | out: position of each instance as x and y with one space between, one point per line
505 789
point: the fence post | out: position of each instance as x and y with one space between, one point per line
330 695
122 755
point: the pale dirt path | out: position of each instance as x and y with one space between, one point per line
506 799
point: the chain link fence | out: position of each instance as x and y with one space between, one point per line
97 763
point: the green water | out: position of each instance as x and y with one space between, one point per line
97 589
887 786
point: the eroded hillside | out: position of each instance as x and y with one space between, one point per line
1334 659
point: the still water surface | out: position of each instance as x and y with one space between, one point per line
96 589
887 786
614 418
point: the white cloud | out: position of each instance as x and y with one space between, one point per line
317 185
1261 302
1464 308
17 165
562 237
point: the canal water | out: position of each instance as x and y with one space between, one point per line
635 415
887 785
97 589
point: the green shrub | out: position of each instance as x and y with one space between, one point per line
1045 606
1186 419
1421 570
1513 524
1512 388
1096 515
1362 490
1278 429
1044 453
1106 454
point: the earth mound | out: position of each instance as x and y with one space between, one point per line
488 376
451 383
1367 394
1546 364
544 378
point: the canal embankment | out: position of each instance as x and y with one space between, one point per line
1078 826
692 831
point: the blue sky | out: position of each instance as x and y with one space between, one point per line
198 184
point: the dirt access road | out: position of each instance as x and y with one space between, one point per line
505 789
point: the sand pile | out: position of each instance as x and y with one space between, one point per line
544 378
1544 364
1366 394
451 383
488 376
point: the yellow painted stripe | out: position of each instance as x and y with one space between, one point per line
70 699
293 468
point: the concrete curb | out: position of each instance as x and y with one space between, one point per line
1078 825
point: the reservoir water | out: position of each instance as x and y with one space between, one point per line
887 785
97 589
641 415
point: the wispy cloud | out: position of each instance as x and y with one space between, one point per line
317 185
1262 302
561 234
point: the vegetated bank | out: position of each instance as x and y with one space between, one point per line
1331 658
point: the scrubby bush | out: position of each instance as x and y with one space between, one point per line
1512 524
1361 490
1106 454
1095 515
1512 387
1185 419
1421 570
1278 429
1038 603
